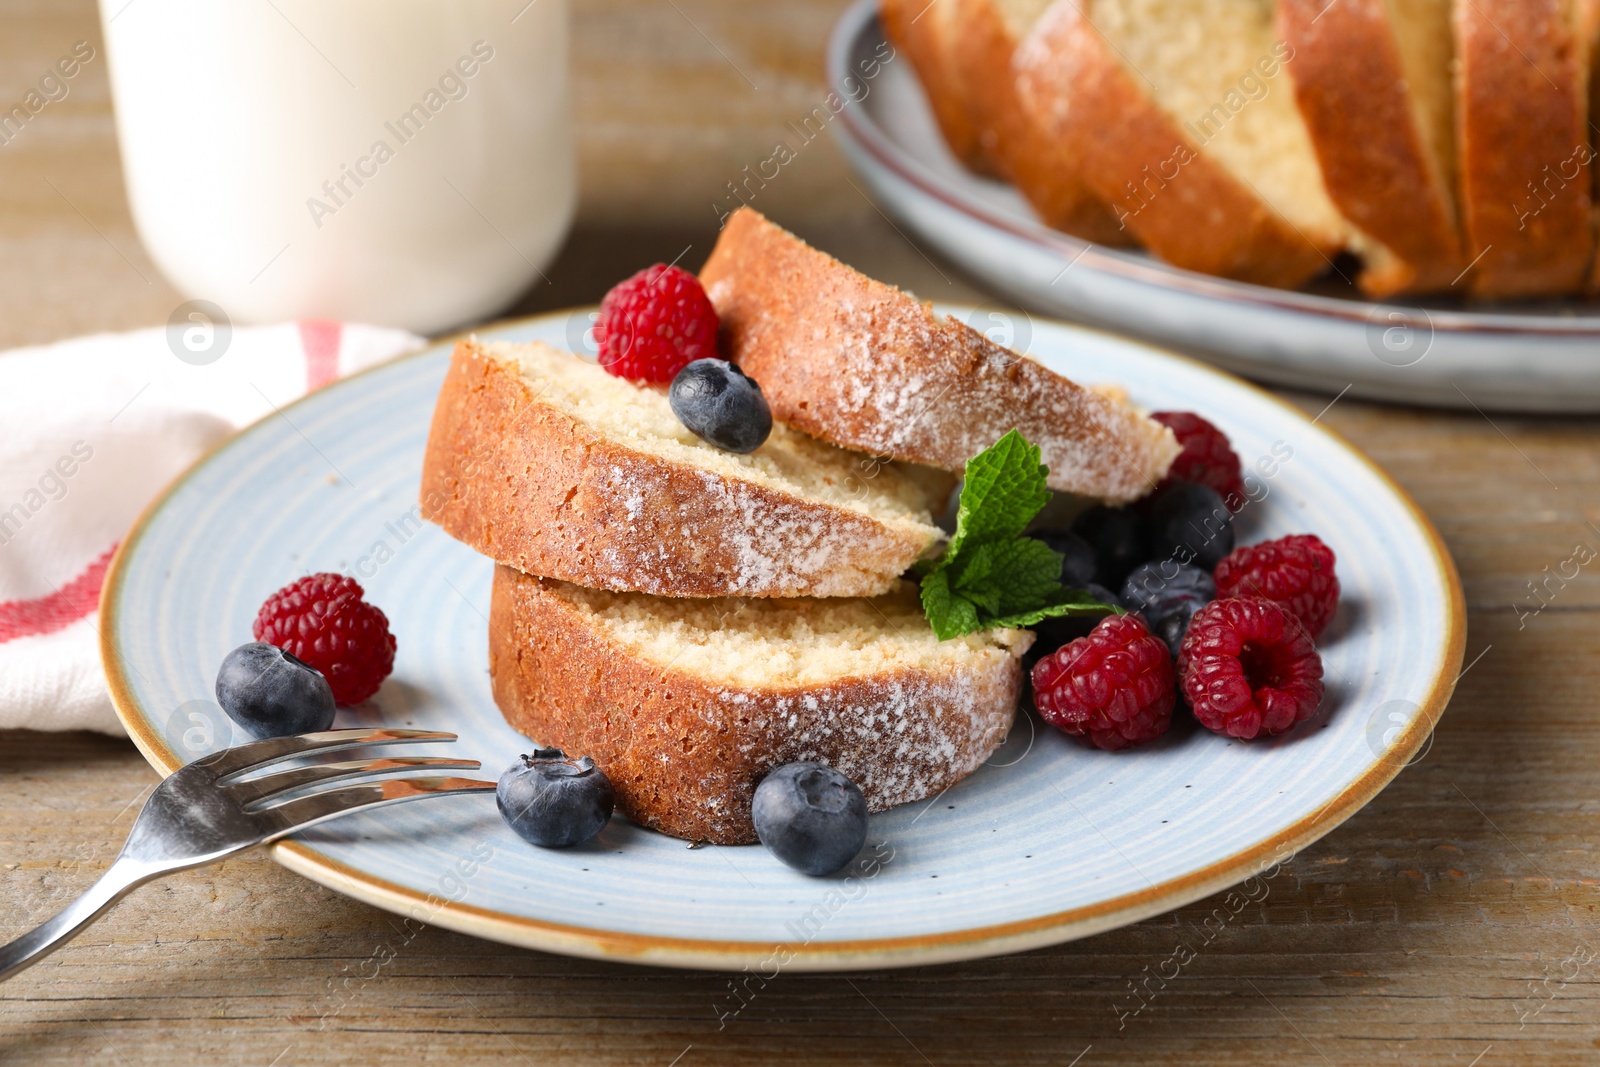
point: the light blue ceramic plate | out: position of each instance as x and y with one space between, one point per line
1048 842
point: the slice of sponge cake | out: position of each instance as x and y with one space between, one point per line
1522 116
1041 166
688 703
866 366
1372 79
926 31
546 463
1186 127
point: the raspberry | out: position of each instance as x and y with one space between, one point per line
1249 668
1296 571
322 620
1114 687
1206 458
654 324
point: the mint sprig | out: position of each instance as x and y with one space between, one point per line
991 575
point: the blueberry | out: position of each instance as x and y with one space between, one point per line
1172 626
1190 523
810 816
1157 588
721 404
1168 594
271 694
1077 556
1118 538
553 801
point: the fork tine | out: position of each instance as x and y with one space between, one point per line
257 789
295 815
257 754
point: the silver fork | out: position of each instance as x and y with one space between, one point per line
202 813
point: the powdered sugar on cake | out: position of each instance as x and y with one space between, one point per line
866 366
551 466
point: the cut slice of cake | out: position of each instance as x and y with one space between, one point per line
1373 82
686 704
544 462
1184 124
1041 167
1522 114
866 366
926 32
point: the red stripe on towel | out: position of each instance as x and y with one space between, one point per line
57 610
320 339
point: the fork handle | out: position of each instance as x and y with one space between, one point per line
121 877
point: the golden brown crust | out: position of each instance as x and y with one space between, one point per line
516 478
921 30
1182 205
861 364
1589 33
1037 163
1350 85
1523 146
685 755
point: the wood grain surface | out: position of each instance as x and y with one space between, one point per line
1451 922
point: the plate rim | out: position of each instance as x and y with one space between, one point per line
858 954
862 17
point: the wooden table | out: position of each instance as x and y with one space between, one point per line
1451 922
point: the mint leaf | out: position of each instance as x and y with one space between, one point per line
1004 489
973 581
950 615
1027 573
990 574
1071 602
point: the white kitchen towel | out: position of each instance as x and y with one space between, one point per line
90 431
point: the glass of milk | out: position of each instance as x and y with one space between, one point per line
401 162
